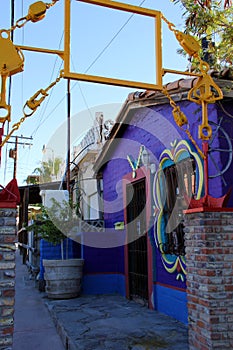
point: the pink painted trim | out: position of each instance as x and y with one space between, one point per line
170 287
126 253
103 273
141 173
208 210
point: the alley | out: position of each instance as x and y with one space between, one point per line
107 322
34 328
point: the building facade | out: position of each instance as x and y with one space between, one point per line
151 168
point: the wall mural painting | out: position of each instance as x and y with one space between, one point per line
180 152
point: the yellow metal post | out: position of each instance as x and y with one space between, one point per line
67 21
123 7
158 52
156 15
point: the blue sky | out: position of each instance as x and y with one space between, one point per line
131 55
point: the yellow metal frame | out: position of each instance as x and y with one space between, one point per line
201 93
65 54
106 80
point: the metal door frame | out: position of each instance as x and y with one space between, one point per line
141 173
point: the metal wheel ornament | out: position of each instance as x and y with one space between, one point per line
223 150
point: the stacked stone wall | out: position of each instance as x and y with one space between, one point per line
7 276
209 256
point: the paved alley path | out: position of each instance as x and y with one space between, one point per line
34 328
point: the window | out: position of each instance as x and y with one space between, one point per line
179 181
100 195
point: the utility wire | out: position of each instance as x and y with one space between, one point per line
93 62
111 41
81 91
82 94
86 71
10 84
43 120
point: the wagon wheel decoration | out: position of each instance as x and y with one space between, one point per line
220 148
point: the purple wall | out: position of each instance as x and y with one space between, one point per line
104 262
155 129
103 257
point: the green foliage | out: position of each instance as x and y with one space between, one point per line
212 20
45 228
48 169
32 180
55 223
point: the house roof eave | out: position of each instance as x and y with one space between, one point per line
135 100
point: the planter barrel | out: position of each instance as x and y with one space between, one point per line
63 278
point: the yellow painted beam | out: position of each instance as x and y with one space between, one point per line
158 50
67 23
107 80
111 81
124 7
173 71
42 50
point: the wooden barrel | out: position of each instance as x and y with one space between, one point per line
63 278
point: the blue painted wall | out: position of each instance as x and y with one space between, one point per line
100 283
104 253
49 251
104 263
172 302
154 128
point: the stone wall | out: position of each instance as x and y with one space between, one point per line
7 276
209 257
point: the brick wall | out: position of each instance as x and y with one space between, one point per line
7 276
209 256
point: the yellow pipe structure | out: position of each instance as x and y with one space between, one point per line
67 23
42 50
124 7
158 48
110 81
107 80
202 93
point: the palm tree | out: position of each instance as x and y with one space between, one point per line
48 170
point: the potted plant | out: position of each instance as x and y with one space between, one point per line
55 225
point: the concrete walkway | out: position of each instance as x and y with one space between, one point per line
34 328
113 323
108 322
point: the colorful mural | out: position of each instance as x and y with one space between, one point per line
179 151
151 131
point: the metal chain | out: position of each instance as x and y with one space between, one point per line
181 120
188 42
32 104
170 25
192 48
51 4
35 101
22 21
202 93
14 128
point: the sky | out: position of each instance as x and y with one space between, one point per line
103 42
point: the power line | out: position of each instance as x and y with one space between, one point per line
111 41
81 91
49 97
44 119
10 81
93 62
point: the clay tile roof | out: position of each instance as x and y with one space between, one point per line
223 79
181 85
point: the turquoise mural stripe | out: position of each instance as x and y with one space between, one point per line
182 150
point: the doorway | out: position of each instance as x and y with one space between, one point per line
137 241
